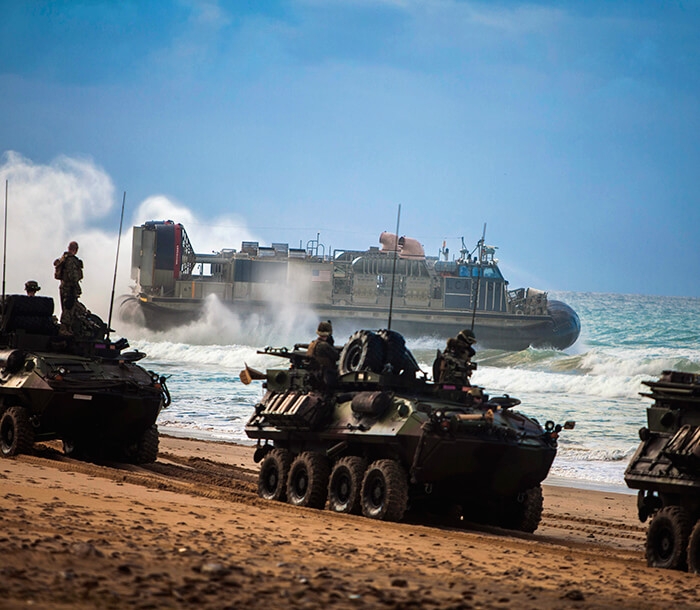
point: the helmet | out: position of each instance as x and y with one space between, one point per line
325 329
466 336
32 286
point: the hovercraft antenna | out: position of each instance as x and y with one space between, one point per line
393 271
479 272
116 262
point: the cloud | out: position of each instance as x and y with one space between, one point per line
50 205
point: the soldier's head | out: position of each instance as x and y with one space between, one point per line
325 329
32 287
466 336
73 247
476 393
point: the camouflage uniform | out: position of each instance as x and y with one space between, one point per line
323 356
454 365
69 269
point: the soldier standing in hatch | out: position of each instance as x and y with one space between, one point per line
32 287
454 365
323 355
69 269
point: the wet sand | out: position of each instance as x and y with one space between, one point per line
190 532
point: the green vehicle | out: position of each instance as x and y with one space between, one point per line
382 440
666 471
85 391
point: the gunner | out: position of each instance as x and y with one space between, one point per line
323 355
454 365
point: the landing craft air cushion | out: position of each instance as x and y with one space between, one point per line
351 287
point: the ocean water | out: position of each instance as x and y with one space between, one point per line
625 339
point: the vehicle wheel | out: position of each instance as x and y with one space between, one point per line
363 351
147 448
694 550
384 493
307 483
394 348
397 355
667 539
74 450
272 480
345 485
524 511
31 306
16 432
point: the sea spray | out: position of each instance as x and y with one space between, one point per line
625 340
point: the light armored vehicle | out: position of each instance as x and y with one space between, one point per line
85 390
666 471
376 437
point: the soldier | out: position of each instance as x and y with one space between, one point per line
454 365
323 355
32 287
477 395
69 269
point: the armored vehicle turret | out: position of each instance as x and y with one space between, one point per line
377 437
666 471
80 388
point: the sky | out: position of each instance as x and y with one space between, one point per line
568 129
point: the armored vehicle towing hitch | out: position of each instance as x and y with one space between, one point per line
384 441
666 471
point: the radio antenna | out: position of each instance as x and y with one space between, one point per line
479 272
393 271
4 252
116 262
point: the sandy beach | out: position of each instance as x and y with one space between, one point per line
190 532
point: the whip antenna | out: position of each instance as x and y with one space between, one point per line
4 252
116 262
393 271
479 272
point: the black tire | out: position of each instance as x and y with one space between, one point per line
667 539
16 432
345 485
23 305
396 354
74 449
384 493
307 482
272 480
394 349
694 550
524 512
147 448
364 351
33 325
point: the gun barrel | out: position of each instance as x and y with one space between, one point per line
248 374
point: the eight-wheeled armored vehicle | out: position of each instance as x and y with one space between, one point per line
82 389
378 438
666 471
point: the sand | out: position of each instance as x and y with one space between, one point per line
190 532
